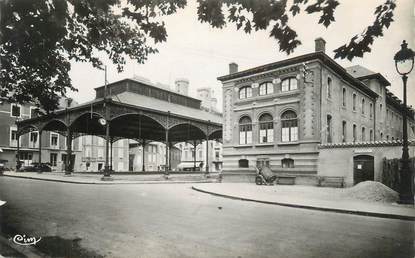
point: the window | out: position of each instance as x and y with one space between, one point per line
354 133
87 152
217 154
245 92
266 128
33 112
262 162
289 84
245 130
54 139
329 82
100 153
329 138
289 131
344 131
33 136
371 110
363 106
344 97
371 135
363 134
13 136
287 163
354 101
53 159
387 114
15 110
381 136
387 137
266 88
243 163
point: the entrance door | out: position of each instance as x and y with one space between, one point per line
363 168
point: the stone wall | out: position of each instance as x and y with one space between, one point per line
337 159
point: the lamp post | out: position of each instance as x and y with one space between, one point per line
404 63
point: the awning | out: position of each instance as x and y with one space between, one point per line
1 150
2 203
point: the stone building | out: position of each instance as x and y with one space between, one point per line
93 154
153 158
53 144
278 114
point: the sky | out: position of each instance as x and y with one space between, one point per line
201 54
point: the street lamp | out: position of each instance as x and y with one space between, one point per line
404 63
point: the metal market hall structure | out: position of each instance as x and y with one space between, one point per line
130 109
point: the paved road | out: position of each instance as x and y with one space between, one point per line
174 221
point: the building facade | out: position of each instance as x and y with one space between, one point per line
278 114
154 157
93 154
53 144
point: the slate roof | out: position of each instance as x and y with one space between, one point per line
156 104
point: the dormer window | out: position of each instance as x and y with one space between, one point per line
245 92
289 84
266 88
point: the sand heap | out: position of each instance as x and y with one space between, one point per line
371 191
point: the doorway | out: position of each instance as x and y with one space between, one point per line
363 168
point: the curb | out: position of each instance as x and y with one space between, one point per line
109 183
360 213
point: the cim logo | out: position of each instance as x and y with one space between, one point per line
25 240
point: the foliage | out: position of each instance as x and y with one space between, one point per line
39 38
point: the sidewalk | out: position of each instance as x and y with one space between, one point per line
79 178
309 197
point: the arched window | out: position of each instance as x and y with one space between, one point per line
344 97
363 134
363 105
287 163
289 84
354 133
266 88
245 130
344 131
289 126
354 101
381 136
266 128
243 163
371 135
329 129
329 81
245 92
371 110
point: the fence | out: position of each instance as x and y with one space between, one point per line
390 173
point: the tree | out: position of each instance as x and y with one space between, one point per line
39 38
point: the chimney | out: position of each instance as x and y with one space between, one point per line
233 68
320 45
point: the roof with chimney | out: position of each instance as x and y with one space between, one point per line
320 55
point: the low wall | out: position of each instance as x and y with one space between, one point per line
337 159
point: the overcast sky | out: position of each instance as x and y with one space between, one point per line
201 54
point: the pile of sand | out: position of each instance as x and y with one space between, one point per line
371 191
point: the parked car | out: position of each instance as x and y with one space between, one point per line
35 167
43 167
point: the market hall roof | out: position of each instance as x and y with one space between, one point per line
136 110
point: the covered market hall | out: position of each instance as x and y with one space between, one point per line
130 109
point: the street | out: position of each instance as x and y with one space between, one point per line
171 220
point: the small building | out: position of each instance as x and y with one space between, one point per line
281 114
53 144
